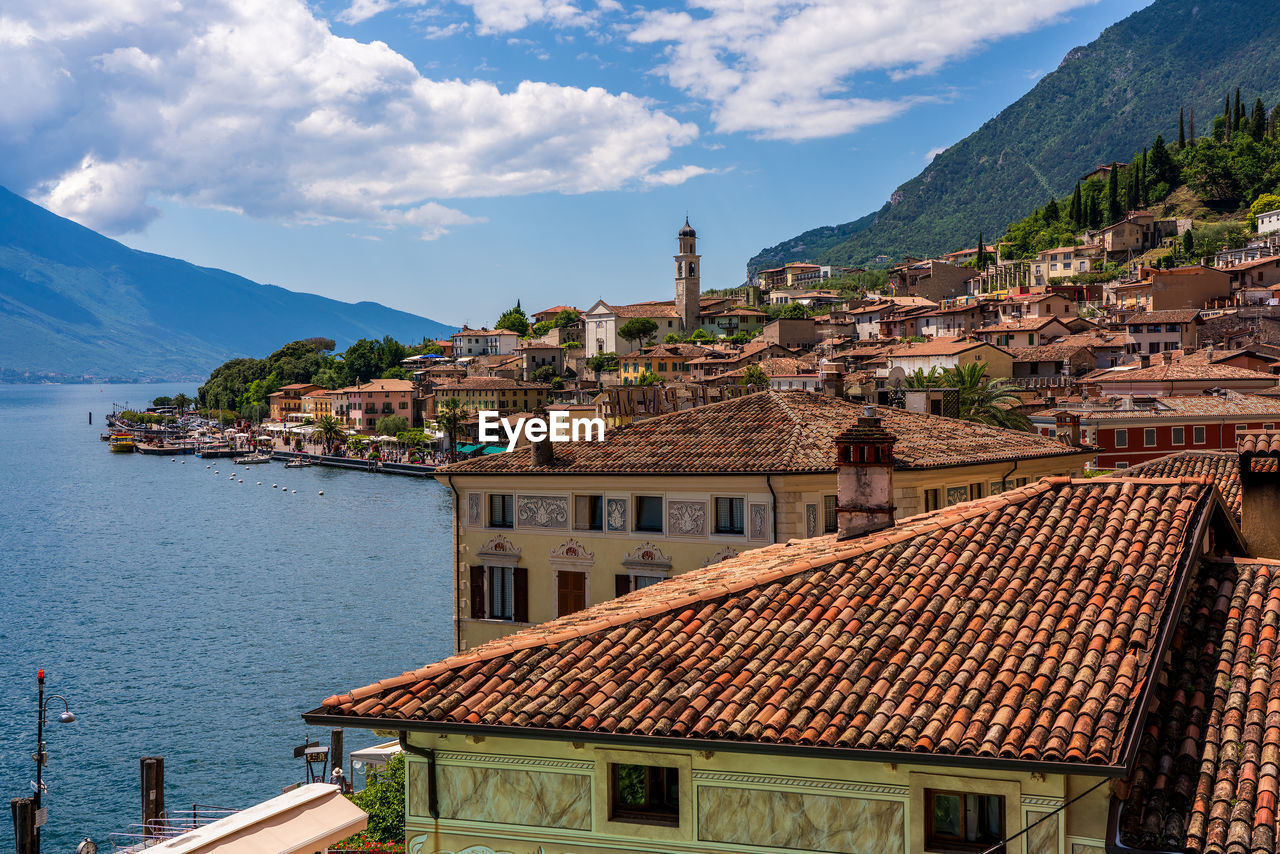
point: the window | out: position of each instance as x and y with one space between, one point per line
404 404
975 491
931 501
1179 435
1122 438
830 518
962 821
500 593
645 794
729 519
1022 481
1172 327
648 513
588 512
1149 437
500 510
571 592
1197 435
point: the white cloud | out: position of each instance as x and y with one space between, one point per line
256 106
496 16
786 69
934 152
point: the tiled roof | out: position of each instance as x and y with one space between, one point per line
777 367
1020 627
686 351
1020 324
1222 467
385 385
478 332
1094 339
1227 404
1183 371
1262 442
1055 352
772 431
1206 778
1172 315
646 309
938 347
1249 265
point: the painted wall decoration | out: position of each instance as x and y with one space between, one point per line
500 545
647 555
687 518
759 519
723 554
473 508
811 520
542 511
573 551
956 494
616 514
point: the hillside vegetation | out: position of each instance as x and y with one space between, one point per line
1104 101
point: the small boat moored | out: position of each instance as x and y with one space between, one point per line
121 443
301 462
253 459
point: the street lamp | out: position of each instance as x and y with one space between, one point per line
40 756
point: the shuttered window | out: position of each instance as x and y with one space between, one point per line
729 516
830 519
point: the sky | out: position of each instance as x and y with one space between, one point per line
448 158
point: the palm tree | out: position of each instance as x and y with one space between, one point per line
329 431
449 415
181 403
981 399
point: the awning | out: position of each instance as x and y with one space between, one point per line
308 819
379 754
466 449
494 449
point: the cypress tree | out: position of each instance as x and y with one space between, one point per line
1258 121
982 252
1135 192
1191 127
1051 212
1273 126
1226 116
1146 187
1188 243
1162 168
1113 196
1076 212
1238 113
1182 133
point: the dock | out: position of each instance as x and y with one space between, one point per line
411 469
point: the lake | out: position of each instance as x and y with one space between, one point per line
191 616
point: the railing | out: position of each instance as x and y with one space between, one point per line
142 835
1042 382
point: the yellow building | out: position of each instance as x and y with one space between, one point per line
1017 673
317 404
494 394
670 494
945 353
668 361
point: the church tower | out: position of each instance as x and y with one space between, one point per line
688 287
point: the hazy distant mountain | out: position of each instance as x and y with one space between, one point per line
76 304
1103 102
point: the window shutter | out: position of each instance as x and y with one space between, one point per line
477 592
520 607
621 584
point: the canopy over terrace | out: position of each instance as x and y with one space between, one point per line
305 820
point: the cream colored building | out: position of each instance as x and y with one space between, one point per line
675 493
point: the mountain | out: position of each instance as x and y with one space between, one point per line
1103 102
77 305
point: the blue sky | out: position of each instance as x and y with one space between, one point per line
446 158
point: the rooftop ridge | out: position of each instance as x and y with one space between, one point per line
719 580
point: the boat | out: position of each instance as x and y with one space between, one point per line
253 459
301 462
121 443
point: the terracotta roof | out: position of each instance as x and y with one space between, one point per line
1222 467
465 331
684 351
1248 265
1022 627
938 347
1055 352
778 367
1261 442
1206 778
1224 405
646 309
1094 339
1172 315
1020 324
1183 371
384 385
772 431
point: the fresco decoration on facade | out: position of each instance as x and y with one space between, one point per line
473 509
957 494
572 551
616 514
759 516
542 511
687 518
500 545
647 555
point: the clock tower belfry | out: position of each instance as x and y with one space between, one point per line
688 287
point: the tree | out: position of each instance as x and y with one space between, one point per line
671 338
543 374
329 431
450 413
1114 214
557 384
389 425
1237 114
648 378
1182 132
1188 243
181 402
1191 126
542 327
754 375
700 335
1258 121
603 362
793 311
395 373
1076 212
637 329
1163 169
159 402
1262 204
1051 211
383 800
362 361
514 319
981 400
566 317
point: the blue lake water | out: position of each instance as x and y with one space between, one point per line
189 616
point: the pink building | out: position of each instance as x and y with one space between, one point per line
362 405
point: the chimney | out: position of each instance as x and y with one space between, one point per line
1166 357
542 453
1067 426
1259 493
864 477
831 378
1144 360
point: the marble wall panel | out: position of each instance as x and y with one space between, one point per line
1043 838
505 795
800 821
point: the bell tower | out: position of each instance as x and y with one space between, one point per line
688 286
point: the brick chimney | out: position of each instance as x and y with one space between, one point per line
543 455
864 477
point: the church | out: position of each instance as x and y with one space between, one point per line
684 315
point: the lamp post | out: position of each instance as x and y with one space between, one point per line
40 756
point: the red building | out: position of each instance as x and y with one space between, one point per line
1128 431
